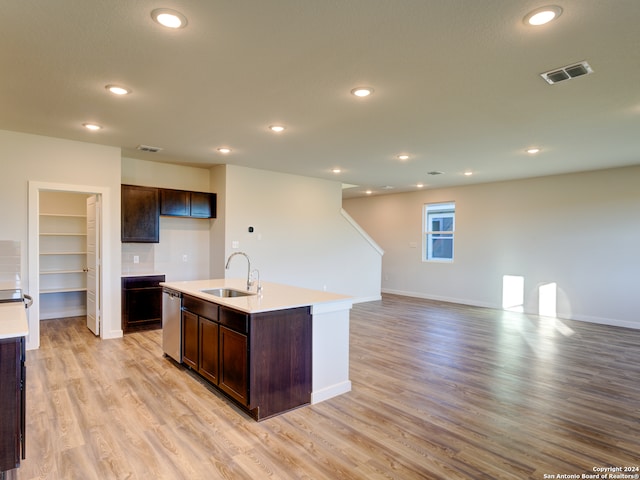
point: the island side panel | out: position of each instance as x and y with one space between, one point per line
281 356
330 350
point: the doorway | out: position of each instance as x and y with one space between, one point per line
65 255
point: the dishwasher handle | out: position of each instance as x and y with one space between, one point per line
171 293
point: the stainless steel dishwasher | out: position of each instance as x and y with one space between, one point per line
172 324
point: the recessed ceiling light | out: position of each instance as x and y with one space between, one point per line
276 128
543 15
368 192
336 170
117 90
420 185
224 150
362 91
169 18
533 150
91 126
403 156
468 174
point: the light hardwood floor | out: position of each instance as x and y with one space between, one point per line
440 391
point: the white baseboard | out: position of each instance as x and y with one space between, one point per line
68 312
330 392
578 318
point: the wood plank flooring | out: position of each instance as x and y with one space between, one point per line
440 391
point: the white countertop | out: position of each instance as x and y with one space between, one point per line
140 274
13 320
275 296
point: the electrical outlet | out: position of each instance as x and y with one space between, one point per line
136 259
185 258
235 244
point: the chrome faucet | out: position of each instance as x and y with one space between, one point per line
249 282
259 287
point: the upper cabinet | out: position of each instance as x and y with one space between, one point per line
181 203
140 212
142 207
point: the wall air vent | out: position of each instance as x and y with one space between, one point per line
148 148
567 73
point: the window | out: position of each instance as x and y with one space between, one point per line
439 225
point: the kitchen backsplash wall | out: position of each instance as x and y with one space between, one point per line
10 261
143 253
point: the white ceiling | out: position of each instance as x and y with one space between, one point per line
457 85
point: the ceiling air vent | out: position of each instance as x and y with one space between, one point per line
435 172
567 73
148 148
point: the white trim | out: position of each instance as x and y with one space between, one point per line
330 391
364 234
33 339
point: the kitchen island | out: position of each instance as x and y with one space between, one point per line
269 352
13 330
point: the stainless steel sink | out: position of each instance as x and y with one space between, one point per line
227 292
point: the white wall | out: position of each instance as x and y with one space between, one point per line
28 158
299 238
218 176
178 236
581 231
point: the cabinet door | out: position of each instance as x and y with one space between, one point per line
174 203
141 303
190 339
209 350
10 403
233 364
140 214
203 205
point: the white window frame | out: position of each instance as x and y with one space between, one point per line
433 211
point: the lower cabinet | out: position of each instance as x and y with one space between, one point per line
261 361
209 349
200 337
234 371
142 303
12 402
190 340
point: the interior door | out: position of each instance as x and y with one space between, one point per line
93 264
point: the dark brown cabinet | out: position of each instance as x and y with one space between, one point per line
209 359
234 349
182 203
140 214
12 402
200 337
262 361
141 303
233 365
142 206
190 340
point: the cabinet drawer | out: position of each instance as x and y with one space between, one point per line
151 281
200 307
234 320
